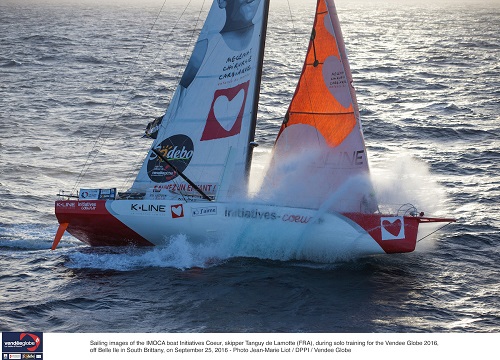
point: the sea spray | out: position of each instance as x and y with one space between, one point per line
179 252
402 179
358 183
302 180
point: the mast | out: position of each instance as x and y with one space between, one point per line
251 135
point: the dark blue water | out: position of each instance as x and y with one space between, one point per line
428 84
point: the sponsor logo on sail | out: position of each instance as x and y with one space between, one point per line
178 150
336 81
354 158
226 113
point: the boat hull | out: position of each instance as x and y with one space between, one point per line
149 223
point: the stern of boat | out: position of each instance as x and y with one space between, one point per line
90 222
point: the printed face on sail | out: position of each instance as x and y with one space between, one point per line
240 12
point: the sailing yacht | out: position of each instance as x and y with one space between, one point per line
317 191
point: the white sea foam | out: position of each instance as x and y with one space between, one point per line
401 178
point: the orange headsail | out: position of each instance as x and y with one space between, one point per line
323 97
321 130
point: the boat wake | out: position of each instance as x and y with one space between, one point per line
178 253
182 253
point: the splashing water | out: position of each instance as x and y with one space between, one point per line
178 252
402 179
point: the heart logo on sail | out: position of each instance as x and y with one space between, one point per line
226 113
177 211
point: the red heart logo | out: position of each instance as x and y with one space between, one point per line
394 228
229 105
177 211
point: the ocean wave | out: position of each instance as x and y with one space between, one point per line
451 133
11 63
89 59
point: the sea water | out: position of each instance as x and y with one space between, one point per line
79 82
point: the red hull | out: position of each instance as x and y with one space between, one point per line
92 223
372 224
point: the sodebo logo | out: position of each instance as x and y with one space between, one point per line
178 150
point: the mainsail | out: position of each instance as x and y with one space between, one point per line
320 150
208 128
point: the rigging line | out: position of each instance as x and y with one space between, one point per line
186 52
181 174
139 162
164 124
95 149
445 225
298 40
154 59
292 21
107 124
166 121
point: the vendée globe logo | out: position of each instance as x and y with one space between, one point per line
21 342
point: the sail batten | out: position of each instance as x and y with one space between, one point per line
316 112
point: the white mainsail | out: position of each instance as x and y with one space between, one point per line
207 129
